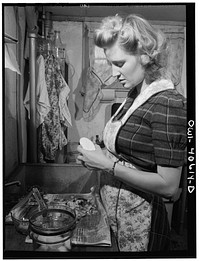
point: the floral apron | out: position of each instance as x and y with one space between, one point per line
129 212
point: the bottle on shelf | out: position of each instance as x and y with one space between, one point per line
59 50
98 142
49 45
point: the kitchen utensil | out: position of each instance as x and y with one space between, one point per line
21 212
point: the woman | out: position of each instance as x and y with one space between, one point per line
146 136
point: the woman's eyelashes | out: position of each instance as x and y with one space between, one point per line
118 64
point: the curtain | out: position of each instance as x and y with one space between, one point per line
97 59
176 61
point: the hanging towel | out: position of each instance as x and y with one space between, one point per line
92 95
51 136
43 105
10 60
65 115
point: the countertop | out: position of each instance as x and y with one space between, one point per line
15 246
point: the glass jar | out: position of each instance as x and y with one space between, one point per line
59 51
52 228
50 47
59 47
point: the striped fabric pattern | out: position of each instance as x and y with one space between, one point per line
155 134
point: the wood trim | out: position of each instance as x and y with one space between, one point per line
99 19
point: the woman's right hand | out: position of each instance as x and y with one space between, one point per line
95 159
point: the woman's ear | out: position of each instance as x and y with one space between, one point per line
145 59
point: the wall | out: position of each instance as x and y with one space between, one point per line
10 101
165 12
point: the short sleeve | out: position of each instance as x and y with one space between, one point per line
169 119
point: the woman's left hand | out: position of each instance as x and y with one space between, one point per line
94 159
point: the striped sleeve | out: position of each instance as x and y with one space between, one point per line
169 129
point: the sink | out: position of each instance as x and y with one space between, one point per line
48 178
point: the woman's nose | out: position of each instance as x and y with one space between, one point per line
115 71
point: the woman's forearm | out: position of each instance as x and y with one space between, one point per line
149 181
164 183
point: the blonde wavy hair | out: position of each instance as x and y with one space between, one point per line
135 36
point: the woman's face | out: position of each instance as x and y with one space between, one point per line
127 68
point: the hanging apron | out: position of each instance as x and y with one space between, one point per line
129 210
